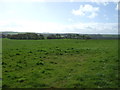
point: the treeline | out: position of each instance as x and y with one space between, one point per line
54 36
34 36
27 36
77 36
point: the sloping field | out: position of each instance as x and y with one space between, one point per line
64 63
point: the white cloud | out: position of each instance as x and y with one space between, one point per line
23 0
36 26
84 9
117 6
104 2
71 0
70 20
59 1
97 28
78 12
29 26
92 15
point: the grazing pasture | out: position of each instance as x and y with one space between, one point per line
63 63
0 62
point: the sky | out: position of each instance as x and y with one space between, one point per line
69 16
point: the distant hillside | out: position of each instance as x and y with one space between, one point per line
11 32
104 36
69 35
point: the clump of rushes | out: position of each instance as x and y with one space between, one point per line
21 80
30 52
40 63
17 53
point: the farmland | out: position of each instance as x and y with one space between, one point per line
0 62
60 63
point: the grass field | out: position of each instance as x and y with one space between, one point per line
61 63
0 63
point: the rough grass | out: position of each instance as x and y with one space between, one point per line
60 63
0 62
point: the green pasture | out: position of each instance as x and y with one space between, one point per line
63 63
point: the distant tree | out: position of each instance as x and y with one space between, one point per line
3 36
26 36
69 36
88 37
51 36
58 36
9 36
41 37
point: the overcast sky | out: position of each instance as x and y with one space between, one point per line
59 17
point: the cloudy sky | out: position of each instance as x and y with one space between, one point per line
59 17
